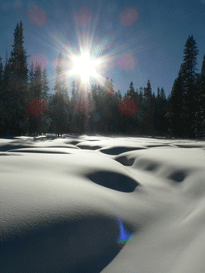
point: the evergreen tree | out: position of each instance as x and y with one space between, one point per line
131 91
45 102
109 87
45 87
108 108
73 115
38 82
131 98
60 101
176 107
1 76
148 105
148 95
190 80
119 95
200 99
31 86
17 86
140 112
2 97
160 112
35 107
162 94
7 102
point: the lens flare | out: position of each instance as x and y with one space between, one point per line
125 237
82 18
128 107
108 41
126 62
59 38
37 15
111 8
39 59
128 16
37 107
97 50
84 67
83 105
54 63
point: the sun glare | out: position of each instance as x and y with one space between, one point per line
84 67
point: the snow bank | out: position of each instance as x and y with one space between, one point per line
101 204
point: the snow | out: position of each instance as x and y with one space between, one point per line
102 204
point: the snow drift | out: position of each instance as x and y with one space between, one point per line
102 204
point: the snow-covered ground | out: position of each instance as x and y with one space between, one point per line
102 204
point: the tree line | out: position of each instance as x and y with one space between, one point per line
27 108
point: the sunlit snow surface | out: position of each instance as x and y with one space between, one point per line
102 204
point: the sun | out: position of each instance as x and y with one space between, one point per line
84 67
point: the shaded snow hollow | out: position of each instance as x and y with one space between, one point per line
102 204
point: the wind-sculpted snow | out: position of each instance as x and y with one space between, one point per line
82 203
115 181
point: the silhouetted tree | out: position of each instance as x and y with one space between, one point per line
17 72
148 107
160 112
60 102
176 107
190 81
2 98
1 75
200 100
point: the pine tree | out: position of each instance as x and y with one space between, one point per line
148 105
31 86
73 115
160 111
45 102
200 99
7 102
202 96
190 80
60 101
35 106
148 94
176 107
1 75
17 85
2 106
131 91
38 82
162 94
45 87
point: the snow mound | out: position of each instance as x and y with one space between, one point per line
101 204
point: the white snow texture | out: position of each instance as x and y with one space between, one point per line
102 204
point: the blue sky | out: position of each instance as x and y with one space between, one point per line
140 40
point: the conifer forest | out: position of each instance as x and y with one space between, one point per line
28 108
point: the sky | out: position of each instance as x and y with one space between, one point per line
132 40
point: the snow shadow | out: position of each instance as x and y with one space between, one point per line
125 161
178 176
146 165
119 150
8 154
114 181
11 147
73 142
156 146
43 138
188 146
87 147
81 245
39 151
